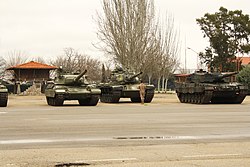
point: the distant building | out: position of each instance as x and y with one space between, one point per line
32 71
244 60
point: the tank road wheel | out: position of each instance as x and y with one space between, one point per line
90 101
198 98
185 97
3 99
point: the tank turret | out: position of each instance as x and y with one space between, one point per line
206 77
130 77
203 87
71 79
80 76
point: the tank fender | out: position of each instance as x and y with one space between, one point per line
150 87
3 90
60 91
209 88
117 88
95 91
243 87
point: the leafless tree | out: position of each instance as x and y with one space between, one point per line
39 60
16 57
135 40
73 61
127 29
169 46
2 66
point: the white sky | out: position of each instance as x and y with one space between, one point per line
45 27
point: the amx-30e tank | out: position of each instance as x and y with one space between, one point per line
3 95
71 87
204 87
124 84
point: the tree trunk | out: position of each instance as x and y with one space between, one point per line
162 84
159 82
166 85
149 79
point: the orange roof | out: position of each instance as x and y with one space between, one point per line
32 65
244 60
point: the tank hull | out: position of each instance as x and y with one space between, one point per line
233 93
3 96
112 94
86 97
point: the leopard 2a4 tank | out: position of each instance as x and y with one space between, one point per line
203 87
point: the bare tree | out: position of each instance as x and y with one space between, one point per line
169 46
127 30
135 40
73 61
39 60
16 57
2 66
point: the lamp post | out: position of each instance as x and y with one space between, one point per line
197 60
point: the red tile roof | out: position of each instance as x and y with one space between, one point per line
32 65
244 60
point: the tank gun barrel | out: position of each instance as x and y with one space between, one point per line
80 75
227 75
136 75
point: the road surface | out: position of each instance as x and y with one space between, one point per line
162 133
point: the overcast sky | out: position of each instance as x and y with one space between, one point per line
44 27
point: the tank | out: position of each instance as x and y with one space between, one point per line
204 87
124 84
3 95
71 87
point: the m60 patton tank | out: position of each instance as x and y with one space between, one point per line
124 84
3 95
203 87
71 87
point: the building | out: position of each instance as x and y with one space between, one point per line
32 71
244 60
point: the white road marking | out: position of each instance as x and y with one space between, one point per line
211 155
118 159
3 112
24 141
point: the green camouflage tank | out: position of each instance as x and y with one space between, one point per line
203 87
3 95
71 87
124 84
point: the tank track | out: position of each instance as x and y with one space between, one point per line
3 99
196 98
111 97
149 96
55 101
90 101
230 100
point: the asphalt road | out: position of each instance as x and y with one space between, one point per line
162 133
